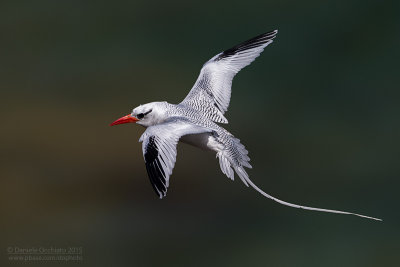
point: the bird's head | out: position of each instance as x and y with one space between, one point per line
145 115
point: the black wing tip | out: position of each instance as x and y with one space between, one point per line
154 168
157 179
267 36
259 40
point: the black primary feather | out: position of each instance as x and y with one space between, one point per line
252 43
154 168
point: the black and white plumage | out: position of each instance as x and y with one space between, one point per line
194 121
211 93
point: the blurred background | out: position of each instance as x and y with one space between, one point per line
318 111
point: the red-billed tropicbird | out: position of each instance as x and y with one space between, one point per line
194 121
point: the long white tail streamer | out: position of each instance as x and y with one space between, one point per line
305 207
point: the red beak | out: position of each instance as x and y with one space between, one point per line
125 119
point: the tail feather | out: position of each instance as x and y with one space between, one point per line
305 207
242 174
236 157
225 166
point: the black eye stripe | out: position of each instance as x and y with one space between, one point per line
141 115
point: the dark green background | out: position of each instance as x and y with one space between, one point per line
318 111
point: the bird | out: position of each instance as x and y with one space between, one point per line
197 121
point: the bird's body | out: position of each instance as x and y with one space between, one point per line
195 121
207 135
207 140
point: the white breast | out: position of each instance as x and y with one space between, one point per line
205 141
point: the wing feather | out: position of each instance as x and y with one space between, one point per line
159 150
211 93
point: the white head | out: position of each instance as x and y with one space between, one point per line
145 115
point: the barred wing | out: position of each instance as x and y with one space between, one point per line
159 150
211 93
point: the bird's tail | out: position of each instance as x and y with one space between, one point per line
305 207
239 160
234 154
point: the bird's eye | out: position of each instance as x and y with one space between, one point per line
140 116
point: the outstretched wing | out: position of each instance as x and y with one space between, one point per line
159 150
211 93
